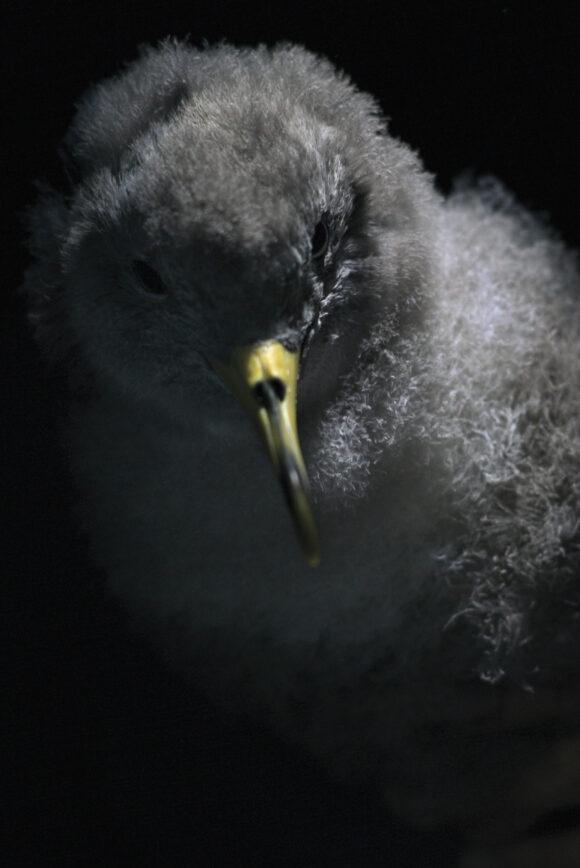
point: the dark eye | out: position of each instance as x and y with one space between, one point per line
148 277
319 240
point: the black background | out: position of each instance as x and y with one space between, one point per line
111 758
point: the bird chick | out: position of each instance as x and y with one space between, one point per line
241 220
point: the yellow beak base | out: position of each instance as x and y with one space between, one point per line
263 377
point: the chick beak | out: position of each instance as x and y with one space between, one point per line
263 377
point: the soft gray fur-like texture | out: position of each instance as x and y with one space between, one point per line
438 409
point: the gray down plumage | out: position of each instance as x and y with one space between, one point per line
437 409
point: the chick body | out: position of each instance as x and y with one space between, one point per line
437 410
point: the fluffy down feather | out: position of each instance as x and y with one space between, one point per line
438 412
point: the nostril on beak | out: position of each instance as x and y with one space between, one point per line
266 391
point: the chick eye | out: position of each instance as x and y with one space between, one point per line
319 240
148 277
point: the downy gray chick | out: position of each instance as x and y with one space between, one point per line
240 219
